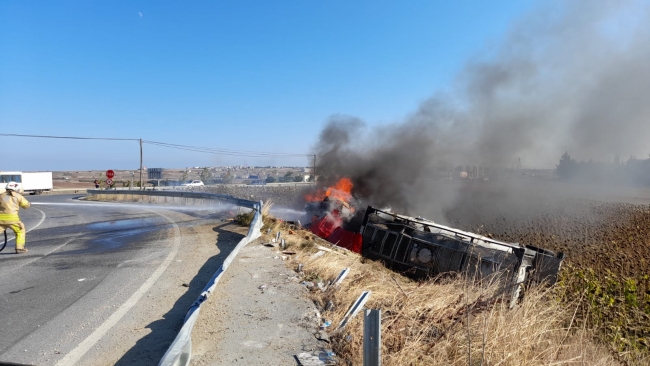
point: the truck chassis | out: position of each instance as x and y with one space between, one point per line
424 248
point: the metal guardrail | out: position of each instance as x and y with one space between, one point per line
284 184
372 337
180 351
84 189
182 194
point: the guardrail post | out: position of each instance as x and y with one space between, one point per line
372 337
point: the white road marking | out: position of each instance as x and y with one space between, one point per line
76 354
43 216
123 263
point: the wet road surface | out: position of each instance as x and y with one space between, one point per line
84 261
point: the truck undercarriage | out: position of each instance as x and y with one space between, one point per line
423 248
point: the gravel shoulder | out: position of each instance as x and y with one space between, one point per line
258 315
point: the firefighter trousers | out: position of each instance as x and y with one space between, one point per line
19 230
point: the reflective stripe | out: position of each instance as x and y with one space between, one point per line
19 230
9 217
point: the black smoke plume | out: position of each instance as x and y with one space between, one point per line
570 76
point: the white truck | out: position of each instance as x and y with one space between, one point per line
29 182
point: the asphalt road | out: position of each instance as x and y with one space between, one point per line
86 261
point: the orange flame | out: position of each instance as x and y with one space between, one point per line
341 191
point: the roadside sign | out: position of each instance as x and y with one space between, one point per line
109 181
154 173
110 174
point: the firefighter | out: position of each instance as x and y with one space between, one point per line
10 202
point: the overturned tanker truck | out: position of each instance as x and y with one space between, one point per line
425 249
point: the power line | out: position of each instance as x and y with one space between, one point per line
207 150
222 150
68 137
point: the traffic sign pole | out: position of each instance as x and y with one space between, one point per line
141 164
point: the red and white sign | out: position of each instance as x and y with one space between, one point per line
109 181
110 174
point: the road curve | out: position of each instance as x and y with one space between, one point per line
87 264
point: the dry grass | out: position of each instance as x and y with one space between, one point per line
450 321
266 207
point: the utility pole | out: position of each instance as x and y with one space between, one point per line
140 164
314 171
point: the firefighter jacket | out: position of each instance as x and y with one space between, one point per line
10 202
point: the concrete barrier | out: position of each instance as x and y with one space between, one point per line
182 194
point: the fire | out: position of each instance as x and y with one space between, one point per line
328 217
341 191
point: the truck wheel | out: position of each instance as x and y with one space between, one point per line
38 191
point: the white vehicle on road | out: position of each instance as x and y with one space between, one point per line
192 183
33 183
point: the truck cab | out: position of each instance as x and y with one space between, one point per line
29 182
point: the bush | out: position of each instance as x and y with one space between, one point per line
245 219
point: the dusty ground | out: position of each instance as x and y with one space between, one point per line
259 314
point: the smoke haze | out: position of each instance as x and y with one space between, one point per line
570 76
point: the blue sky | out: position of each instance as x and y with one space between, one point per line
240 75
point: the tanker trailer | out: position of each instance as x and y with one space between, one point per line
427 249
